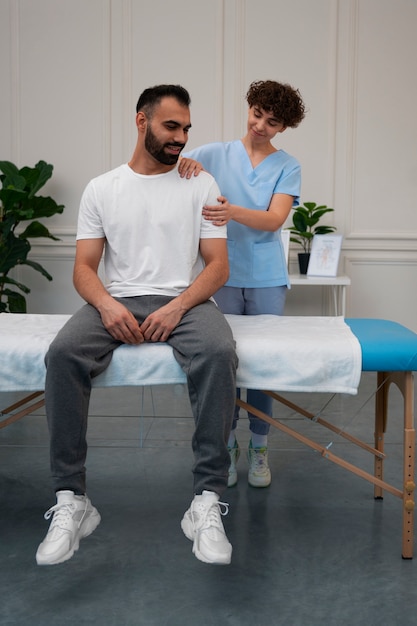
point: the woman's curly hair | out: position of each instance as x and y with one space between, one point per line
282 100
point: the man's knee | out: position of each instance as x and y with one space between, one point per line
60 349
222 351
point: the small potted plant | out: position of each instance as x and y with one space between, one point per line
19 203
305 225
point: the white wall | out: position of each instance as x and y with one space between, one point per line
74 71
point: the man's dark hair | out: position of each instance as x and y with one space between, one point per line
152 96
282 100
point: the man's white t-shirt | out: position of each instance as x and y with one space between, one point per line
152 226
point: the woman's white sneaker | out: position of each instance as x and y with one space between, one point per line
73 518
259 474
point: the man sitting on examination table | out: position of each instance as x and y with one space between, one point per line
163 262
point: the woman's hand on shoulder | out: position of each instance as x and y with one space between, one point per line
189 167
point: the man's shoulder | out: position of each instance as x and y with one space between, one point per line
117 172
202 178
203 182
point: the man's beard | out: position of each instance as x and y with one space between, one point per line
157 149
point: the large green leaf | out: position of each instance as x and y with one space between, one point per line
300 221
14 207
36 229
12 178
318 213
10 281
8 168
16 302
36 177
38 267
43 206
324 230
13 252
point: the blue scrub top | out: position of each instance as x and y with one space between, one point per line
256 257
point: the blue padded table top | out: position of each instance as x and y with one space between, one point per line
386 346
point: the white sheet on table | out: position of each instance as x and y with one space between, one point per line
297 353
310 354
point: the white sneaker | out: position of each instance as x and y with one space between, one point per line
74 518
202 524
234 457
259 474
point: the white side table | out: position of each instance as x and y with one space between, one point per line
337 283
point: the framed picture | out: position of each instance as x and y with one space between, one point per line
324 257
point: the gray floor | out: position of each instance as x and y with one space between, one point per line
315 548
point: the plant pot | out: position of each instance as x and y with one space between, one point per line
303 260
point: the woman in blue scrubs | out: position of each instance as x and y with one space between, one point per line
260 184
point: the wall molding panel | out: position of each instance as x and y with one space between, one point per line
234 88
345 111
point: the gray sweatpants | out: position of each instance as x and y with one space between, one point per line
204 347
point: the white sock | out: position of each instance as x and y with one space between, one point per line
210 494
259 441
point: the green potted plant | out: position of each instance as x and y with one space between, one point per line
19 203
305 224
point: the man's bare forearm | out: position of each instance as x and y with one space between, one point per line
210 280
89 286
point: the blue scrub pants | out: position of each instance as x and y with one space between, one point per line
253 301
